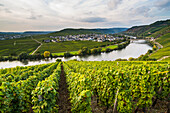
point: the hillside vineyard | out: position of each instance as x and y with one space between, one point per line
115 86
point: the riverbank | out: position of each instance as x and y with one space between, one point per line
160 50
25 56
75 53
134 49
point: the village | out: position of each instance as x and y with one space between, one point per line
84 37
8 37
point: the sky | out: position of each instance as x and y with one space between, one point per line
53 15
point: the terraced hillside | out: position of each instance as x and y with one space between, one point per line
16 46
85 87
149 30
165 51
160 32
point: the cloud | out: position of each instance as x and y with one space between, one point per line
58 14
47 1
7 10
113 23
34 16
94 19
162 4
1 5
113 4
142 11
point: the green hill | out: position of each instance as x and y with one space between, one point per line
160 31
149 30
71 31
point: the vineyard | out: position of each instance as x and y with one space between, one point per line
98 87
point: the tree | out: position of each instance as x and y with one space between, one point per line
149 51
23 56
108 49
131 59
99 50
154 47
84 51
67 54
80 52
94 51
46 54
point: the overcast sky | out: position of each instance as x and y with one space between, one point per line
26 15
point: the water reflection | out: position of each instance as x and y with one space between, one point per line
24 62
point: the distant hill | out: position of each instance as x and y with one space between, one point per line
10 33
38 32
26 33
160 30
71 31
149 30
110 30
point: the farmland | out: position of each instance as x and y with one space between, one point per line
16 46
70 46
82 86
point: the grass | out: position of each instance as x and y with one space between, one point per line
165 51
76 52
62 53
17 46
110 47
69 46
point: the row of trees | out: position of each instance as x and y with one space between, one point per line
86 51
123 45
26 56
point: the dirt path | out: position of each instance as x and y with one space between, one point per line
64 102
163 58
38 46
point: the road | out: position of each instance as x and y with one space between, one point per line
158 45
163 58
37 47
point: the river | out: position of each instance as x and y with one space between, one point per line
134 49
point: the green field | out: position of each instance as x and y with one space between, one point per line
16 46
76 52
69 46
110 47
165 51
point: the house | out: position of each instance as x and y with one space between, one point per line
47 41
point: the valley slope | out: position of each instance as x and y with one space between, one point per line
159 31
